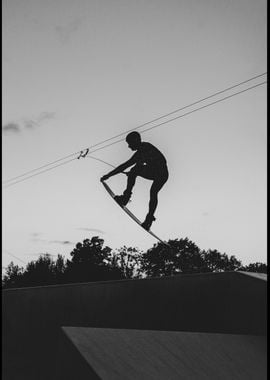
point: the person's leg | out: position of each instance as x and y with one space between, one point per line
153 202
158 176
153 199
132 175
155 188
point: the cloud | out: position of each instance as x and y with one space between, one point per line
65 32
36 234
62 242
36 238
39 120
17 127
47 115
91 230
11 128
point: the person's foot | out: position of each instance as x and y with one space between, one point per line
122 200
148 222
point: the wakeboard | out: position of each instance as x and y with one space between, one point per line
129 213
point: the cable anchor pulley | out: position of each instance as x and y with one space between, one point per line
83 153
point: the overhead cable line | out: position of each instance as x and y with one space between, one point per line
138 127
39 168
155 126
185 114
90 149
10 254
173 112
43 171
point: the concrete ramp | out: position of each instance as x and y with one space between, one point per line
222 303
112 354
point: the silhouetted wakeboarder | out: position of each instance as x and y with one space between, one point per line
148 162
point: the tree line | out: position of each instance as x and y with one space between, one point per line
91 261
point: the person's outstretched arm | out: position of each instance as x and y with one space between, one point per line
119 169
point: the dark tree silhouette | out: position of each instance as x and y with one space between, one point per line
59 269
214 261
43 271
127 259
185 257
13 276
255 267
91 262
39 272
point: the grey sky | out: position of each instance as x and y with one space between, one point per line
78 72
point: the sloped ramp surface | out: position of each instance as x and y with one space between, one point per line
117 354
222 303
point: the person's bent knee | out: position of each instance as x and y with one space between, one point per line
135 170
157 186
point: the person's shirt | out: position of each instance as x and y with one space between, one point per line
150 155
